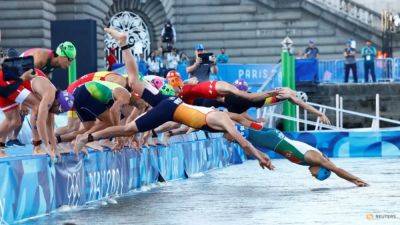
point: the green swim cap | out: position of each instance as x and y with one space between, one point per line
66 49
167 90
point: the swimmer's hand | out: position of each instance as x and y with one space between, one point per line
265 162
80 142
324 119
285 93
37 150
119 144
360 183
135 143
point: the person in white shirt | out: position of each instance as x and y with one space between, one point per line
154 64
172 60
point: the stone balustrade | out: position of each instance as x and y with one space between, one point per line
353 10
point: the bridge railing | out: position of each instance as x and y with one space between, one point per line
352 10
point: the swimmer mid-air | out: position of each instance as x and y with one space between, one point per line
299 153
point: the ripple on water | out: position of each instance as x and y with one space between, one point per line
245 194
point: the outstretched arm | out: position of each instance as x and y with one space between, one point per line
289 94
121 96
250 149
224 88
50 131
317 159
221 121
343 173
46 90
324 119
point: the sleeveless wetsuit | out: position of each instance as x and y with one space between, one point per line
93 98
275 140
102 90
204 89
83 80
236 104
48 68
166 108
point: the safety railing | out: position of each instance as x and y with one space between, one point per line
396 70
352 10
333 71
270 115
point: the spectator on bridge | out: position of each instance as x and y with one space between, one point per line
142 64
172 60
368 52
222 57
311 52
184 59
154 62
299 54
168 35
201 69
111 59
350 62
183 63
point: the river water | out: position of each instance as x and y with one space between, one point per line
246 194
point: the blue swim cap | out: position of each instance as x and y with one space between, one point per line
199 47
323 173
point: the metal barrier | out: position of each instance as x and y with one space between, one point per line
396 70
332 71
270 116
384 69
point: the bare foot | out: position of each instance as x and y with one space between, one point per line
80 142
39 151
120 37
